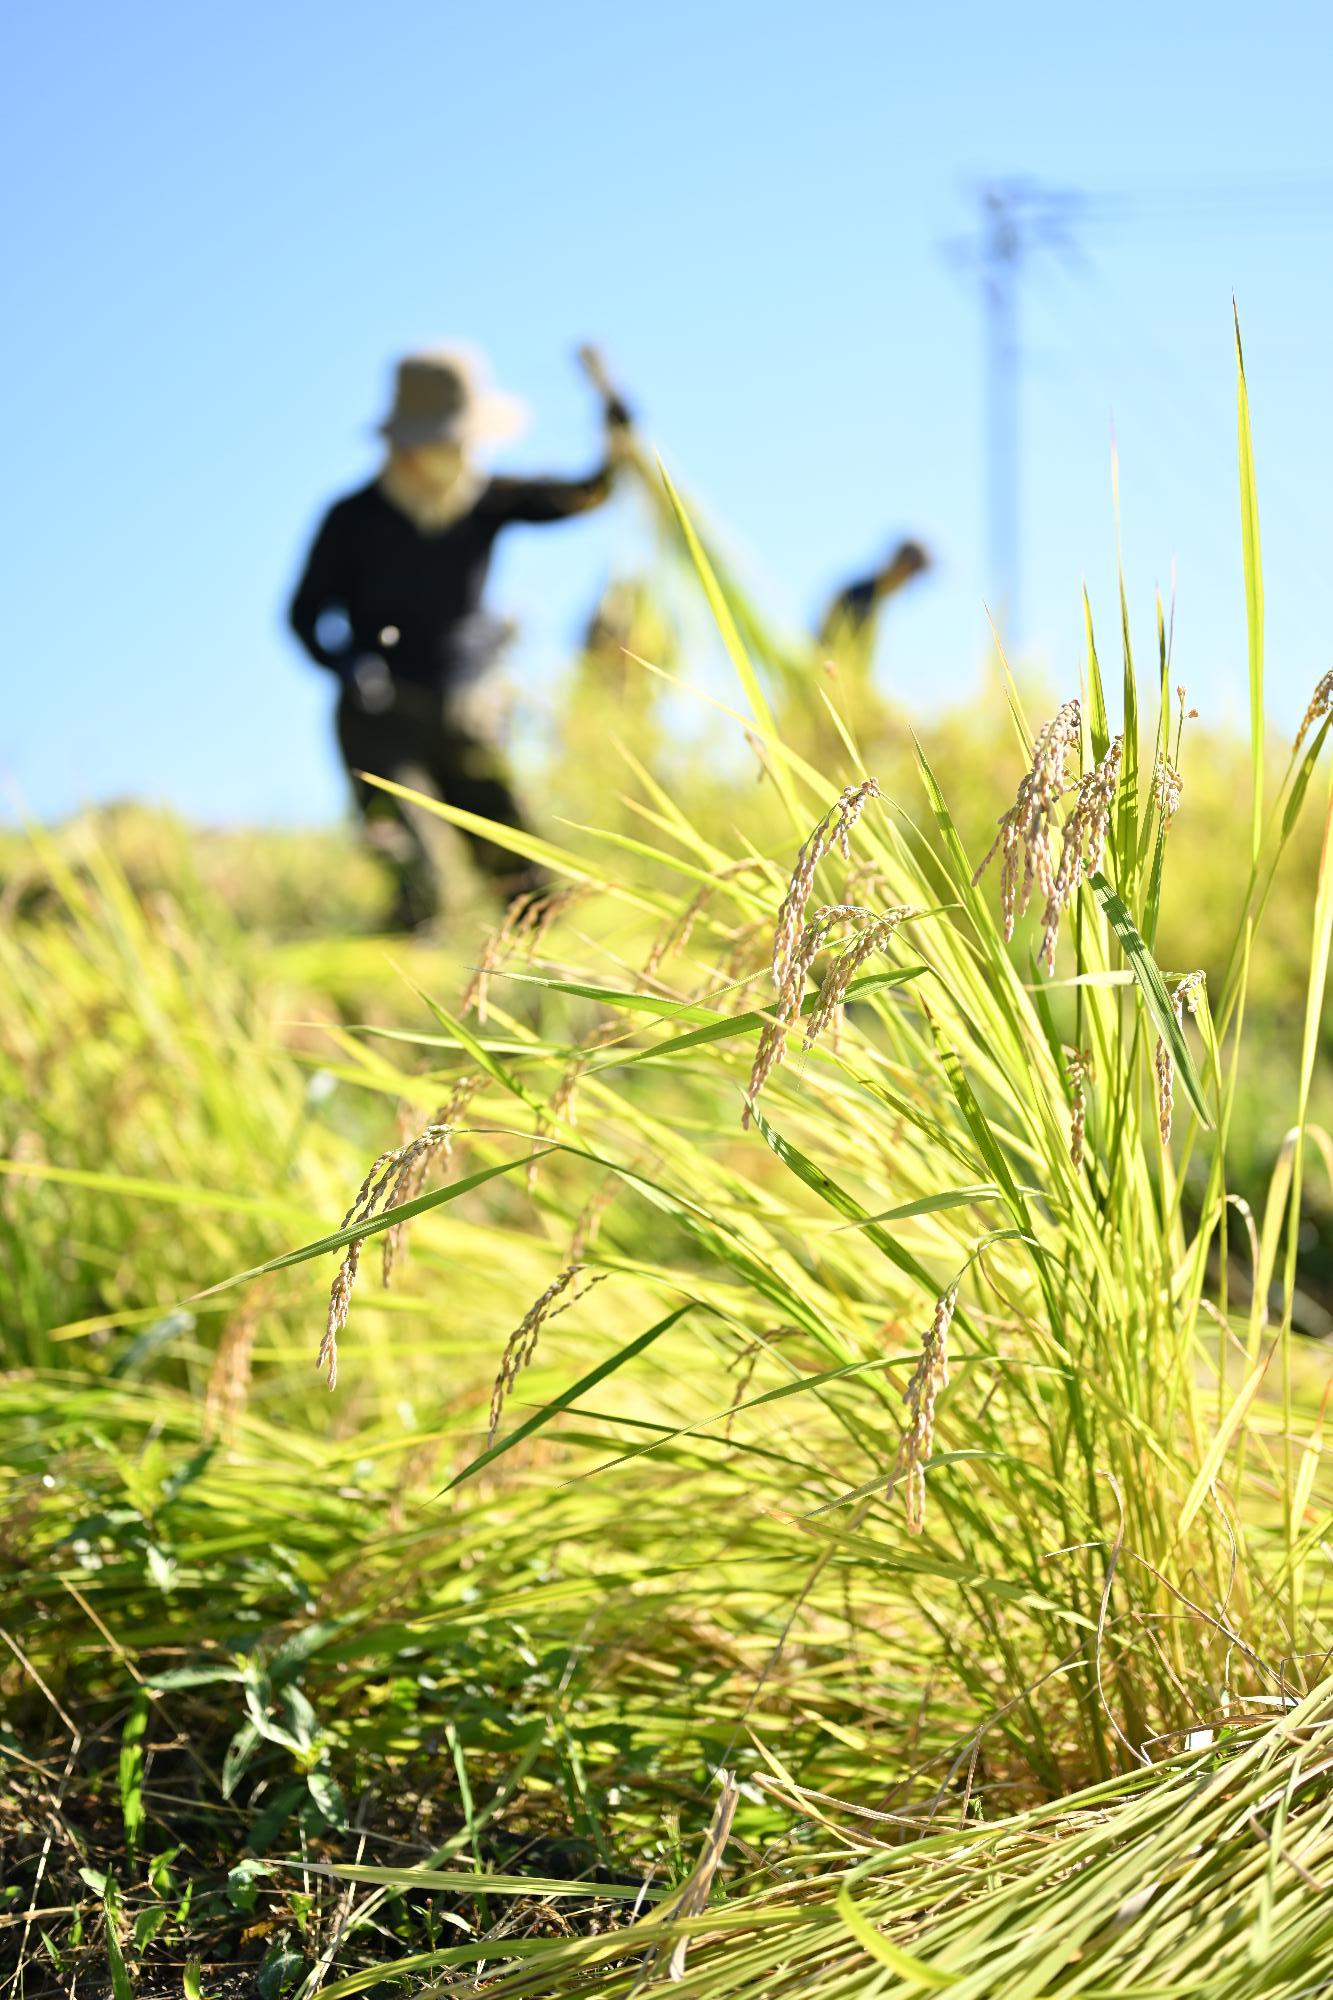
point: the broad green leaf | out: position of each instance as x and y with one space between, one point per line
484 1057
934 1204
191 1677
837 1198
175 1193
120 1978
130 1773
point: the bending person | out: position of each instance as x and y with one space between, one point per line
852 616
391 601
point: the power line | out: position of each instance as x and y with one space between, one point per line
1021 215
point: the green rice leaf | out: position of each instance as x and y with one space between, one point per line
1291 812
727 1027
1098 725
735 645
404 1212
571 1395
1153 988
479 1879
484 1057
874 1941
1254 593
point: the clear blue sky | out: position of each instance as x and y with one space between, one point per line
224 221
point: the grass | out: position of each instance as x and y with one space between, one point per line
1008 1681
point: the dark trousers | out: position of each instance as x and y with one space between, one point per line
413 743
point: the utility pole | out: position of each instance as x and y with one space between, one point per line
1016 215
999 253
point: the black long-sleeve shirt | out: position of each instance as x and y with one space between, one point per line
412 595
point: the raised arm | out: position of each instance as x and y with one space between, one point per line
558 499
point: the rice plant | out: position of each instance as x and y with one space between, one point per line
858 1522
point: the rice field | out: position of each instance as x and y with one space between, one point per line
757 1429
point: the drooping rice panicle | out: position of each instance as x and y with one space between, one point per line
1189 993
1321 701
434 1145
873 935
833 830
1167 786
522 1342
773 1037
1079 1071
563 1102
676 935
1029 825
524 924
589 1219
393 1178
1082 840
930 1375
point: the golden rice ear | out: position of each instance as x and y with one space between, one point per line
1082 840
930 1375
834 830
797 943
1079 1071
522 1342
1321 703
1029 825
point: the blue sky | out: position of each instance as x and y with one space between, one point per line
225 221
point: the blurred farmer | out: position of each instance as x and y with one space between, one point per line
850 622
391 602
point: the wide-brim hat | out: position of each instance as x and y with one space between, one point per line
443 395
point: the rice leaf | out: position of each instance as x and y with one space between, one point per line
1217 1450
386 1219
1291 812
879 1947
1254 593
726 1027
481 1880
1153 988
735 645
571 1395
1098 725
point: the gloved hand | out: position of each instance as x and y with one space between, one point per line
370 683
617 411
